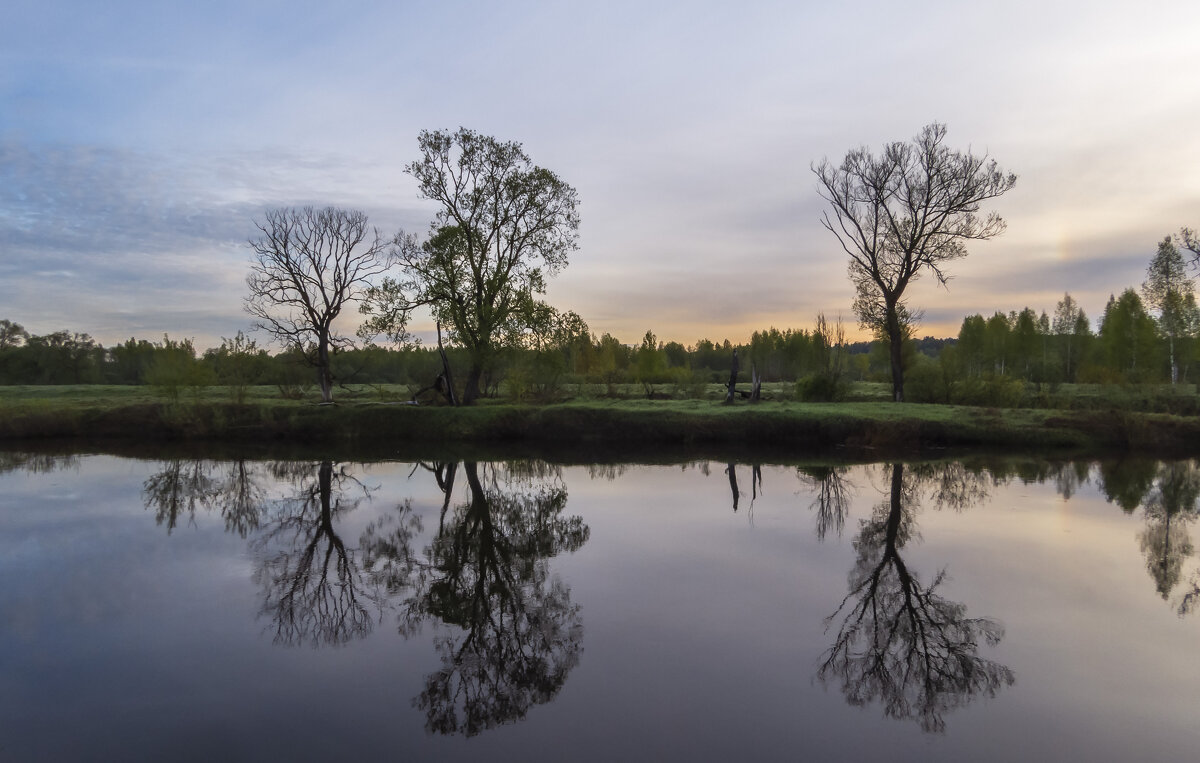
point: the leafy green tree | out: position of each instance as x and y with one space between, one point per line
910 210
1026 342
1071 329
1170 291
998 340
504 226
650 363
237 364
176 368
1128 336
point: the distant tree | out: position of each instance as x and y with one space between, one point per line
174 367
1170 291
12 334
504 226
909 210
1127 335
998 340
1026 341
1069 323
972 345
308 264
237 363
650 363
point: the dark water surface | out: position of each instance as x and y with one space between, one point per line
250 610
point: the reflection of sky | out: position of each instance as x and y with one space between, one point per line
139 140
702 628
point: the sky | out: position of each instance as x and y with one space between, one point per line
139 142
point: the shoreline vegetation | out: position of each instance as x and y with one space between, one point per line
380 422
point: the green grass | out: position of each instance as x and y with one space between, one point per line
375 414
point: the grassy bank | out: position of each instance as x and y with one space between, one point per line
135 414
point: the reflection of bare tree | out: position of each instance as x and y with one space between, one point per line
515 633
313 589
832 499
899 642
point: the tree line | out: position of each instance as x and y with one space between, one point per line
529 370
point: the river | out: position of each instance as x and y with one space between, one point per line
988 609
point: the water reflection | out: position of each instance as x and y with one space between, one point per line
898 642
507 633
516 634
831 496
511 633
314 590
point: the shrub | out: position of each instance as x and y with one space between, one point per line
822 387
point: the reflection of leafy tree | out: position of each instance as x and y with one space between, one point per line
832 499
1126 482
952 485
1168 508
899 642
485 574
313 589
1069 476
35 463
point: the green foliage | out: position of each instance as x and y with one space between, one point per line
1128 339
821 387
237 364
175 368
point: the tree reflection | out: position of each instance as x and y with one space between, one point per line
1126 482
899 642
515 635
313 588
177 490
36 463
832 496
184 485
1169 507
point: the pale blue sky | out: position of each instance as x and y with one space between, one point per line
138 141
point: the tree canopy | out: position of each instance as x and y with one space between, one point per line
504 226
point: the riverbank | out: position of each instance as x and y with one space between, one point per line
859 427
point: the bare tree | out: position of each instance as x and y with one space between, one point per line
308 264
504 226
908 210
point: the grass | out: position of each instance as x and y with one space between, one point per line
374 415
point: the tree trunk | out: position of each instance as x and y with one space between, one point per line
471 391
755 383
896 352
324 373
732 379
731 470
451 395
1174 368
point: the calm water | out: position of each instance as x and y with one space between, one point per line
204 610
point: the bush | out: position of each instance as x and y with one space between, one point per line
994 392
926 382
822 387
